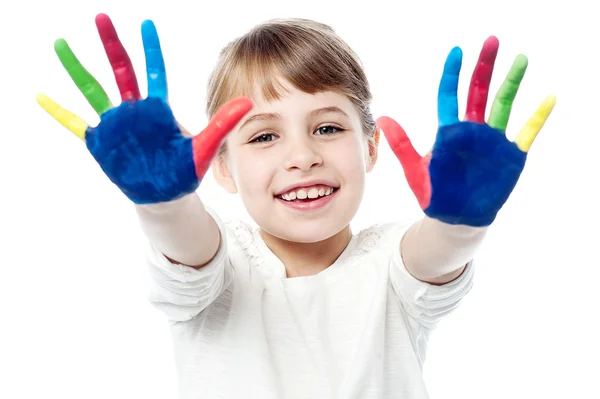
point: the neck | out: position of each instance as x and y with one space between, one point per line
307 259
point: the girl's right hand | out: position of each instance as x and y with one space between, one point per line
139 144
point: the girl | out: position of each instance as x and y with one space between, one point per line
300 307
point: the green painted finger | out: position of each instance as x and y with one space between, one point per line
506 94
85 82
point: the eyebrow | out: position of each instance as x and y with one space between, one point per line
313 113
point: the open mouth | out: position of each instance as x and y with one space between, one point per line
311 197
307 194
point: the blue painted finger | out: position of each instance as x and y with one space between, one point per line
448 91
155 63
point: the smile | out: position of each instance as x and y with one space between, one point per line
308 198
307 193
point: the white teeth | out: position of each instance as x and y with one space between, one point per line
311 193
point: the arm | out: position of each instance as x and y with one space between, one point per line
464 181
142 149
182 230
177 290
436 252
158 166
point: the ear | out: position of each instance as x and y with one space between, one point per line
222 174
373 144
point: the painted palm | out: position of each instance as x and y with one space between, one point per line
472 168
138 144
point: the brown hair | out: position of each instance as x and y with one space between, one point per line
308 54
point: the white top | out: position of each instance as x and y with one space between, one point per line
357 330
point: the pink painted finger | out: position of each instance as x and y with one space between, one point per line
415 167
118 58
480 81
206 144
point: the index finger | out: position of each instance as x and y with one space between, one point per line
155 63
118 58
448 91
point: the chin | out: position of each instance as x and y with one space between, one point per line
307 233
307 228
306 223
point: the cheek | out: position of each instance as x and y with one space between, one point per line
349 158
252 172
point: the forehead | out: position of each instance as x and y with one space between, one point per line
292 100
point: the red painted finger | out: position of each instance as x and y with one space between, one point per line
480 81
399 142
416 168
206 144
118 58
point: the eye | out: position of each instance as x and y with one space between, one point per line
263 138
327 130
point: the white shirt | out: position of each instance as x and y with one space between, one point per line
357 330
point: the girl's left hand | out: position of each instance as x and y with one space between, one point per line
473 168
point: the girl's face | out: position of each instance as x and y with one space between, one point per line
299 164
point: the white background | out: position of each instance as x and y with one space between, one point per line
74 318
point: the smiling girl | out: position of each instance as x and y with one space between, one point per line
301 306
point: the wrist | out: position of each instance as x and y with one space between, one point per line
181 229
431 248
454 235
170 208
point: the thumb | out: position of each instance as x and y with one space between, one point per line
399 142
206 144
415 170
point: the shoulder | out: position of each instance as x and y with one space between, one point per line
239 231
379 240
383 235
242 246
237 237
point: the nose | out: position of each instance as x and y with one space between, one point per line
303 154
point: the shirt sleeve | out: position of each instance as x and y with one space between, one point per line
182 292
426 303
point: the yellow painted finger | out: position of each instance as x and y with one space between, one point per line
533 126
64 117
